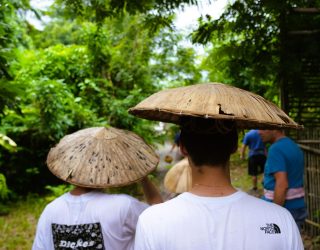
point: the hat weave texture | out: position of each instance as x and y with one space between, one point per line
101 157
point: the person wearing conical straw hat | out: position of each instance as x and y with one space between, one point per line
178 179
213 214
87 218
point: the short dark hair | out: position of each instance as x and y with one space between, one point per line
208 142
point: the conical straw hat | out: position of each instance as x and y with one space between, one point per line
214 101
178 178
101 157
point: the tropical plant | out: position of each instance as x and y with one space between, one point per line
83 71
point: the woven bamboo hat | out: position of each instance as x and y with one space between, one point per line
214 101
178 178
101 157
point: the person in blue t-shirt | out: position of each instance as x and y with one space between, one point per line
257 155
283 174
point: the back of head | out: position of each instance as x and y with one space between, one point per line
209 142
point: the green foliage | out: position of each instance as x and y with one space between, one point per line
4 191
12 36
61 32
252 48
10 146
7 143
11 33
245 45
245 41
173 65
97 11
70 63
9 92
56 191
86 68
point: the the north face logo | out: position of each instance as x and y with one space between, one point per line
271 228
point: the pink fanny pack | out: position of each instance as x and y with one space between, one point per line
292 193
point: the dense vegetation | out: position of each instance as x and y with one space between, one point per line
80 71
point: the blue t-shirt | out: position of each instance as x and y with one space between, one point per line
253 140
285 156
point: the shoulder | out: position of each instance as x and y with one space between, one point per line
164 209
276 146
260 206
283 141
55 207
284 145
247 135
103 199
57 202
251 135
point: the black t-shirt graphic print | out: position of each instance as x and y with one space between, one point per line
83 236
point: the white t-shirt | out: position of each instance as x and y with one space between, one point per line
89 221
237 221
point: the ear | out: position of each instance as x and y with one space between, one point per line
183 150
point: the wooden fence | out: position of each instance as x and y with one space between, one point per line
309 141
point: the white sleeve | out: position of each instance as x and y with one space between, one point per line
297 243
141 239
135 208
43 238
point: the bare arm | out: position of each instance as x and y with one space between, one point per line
151 193
280 188
173 147
243 151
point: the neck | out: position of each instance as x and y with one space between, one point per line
278 134
279 137
211 181
212 191
80 190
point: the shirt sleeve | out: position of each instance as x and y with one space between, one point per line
135 208
42 240
296 240
245 140
276 161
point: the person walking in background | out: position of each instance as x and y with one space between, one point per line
283 174
176 141
175 151
257 156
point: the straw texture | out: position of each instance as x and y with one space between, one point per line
101 157
214 101
178 178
